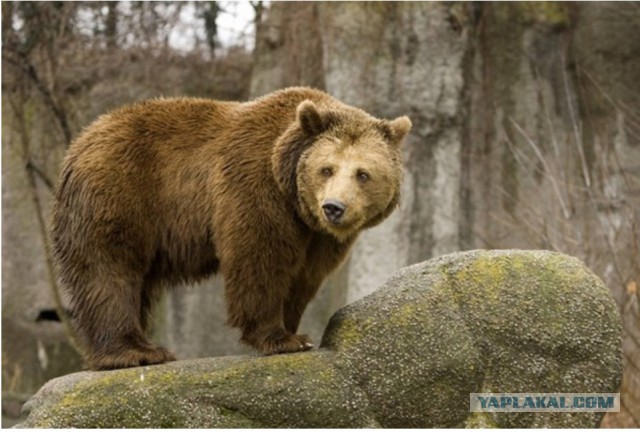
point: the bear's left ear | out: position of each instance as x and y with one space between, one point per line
310 118
396 130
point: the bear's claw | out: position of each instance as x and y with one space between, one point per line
287 344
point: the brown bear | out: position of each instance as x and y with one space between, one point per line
272 193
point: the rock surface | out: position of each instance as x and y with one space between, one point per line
406 356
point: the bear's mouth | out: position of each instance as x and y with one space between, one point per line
341 224
334 223
342 228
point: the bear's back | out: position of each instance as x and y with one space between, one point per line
165 121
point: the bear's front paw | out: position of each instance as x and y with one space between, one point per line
286 344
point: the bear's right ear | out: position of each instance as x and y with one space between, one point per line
396 130
310 119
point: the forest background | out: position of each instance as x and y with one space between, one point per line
526 135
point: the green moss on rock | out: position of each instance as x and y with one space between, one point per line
406 356
508 321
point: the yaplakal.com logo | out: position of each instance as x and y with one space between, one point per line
544 402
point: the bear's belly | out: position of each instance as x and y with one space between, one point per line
184 260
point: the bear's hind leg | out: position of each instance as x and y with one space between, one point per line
130 356
151 293
107 316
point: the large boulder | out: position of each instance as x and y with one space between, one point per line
480 321
408 355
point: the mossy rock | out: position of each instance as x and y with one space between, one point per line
406 356
298 390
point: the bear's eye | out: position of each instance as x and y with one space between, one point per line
362 176
326 172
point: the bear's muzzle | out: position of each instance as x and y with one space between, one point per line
333 210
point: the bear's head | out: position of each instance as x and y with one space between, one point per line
340 167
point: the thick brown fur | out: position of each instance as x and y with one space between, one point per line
172 190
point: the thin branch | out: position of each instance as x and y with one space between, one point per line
30 71
37 171
565 210
576 129
615 104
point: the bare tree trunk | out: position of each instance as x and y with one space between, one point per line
401 72
18 112
289 48
35 347
111 25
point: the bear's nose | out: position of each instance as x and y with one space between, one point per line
334 210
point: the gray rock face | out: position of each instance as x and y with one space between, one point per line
480 321
406 356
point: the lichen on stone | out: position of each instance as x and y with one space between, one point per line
408 355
